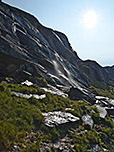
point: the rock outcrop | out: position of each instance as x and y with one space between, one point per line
56 118
110 112
29 48
80 94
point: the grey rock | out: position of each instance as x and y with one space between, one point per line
80 94
105 101
28 83
105 106
88 120
102 111
55 91
56 118
96 148
27 96
110 112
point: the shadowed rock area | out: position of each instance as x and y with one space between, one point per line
110 71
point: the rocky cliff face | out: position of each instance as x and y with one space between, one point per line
27 46
110 71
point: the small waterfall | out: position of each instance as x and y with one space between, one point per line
60 73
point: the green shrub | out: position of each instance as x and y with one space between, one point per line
54 135
80 148
104 137
87 127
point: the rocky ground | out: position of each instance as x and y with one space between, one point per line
42 121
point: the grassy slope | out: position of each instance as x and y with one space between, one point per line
22 123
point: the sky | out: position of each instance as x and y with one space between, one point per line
67 16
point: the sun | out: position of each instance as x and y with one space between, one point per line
90 19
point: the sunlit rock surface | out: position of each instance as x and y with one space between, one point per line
28 83
105 106
27 96
87 120
56 91
104 100
62 145
102 111
57 118
97 148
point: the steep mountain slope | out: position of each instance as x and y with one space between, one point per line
110 71
26 45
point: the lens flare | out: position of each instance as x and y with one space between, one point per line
90 19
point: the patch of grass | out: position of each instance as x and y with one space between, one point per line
103 92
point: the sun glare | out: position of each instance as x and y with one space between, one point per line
90 19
